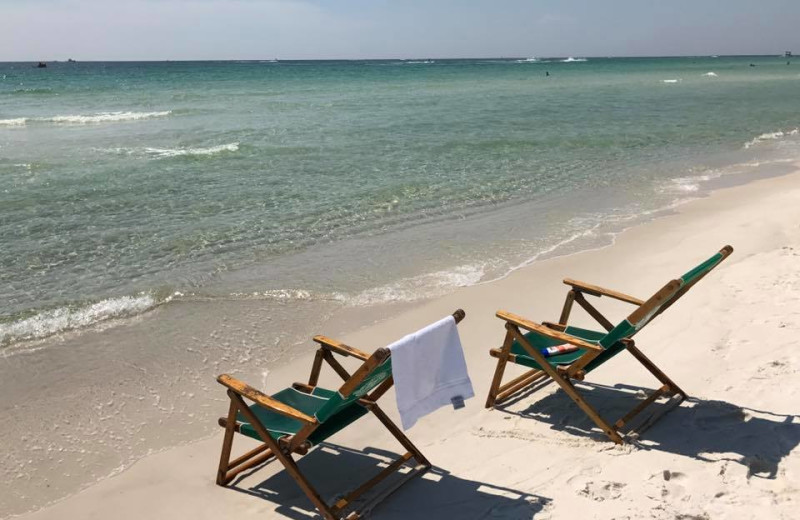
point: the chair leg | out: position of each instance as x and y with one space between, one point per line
572 392
568 387
287 461
227 444
498 372
653 369
399 435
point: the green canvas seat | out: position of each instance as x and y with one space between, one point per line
296 419
309 403
539 341
595 348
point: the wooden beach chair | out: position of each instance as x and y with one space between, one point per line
296 419
594 348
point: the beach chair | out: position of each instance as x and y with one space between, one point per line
594 348
296 419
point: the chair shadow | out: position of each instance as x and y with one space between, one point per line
335 470
706 430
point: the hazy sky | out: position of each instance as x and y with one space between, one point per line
306 29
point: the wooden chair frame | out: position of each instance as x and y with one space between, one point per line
283 448
563 375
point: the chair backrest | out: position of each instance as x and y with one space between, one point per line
661 300
373 372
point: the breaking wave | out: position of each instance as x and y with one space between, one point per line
103 117
50 322
771 136
19 121
178 152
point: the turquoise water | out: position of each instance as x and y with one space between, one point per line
127 185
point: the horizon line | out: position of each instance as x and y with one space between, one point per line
578 56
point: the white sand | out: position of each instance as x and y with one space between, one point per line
729 452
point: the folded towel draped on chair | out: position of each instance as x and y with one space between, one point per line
429 371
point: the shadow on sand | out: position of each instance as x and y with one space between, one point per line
435 494
702 429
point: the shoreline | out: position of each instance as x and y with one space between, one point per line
603 263
93 316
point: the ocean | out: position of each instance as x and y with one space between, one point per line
126 186
164 222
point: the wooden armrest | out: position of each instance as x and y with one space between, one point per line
600 291
546 331
340 348
264 400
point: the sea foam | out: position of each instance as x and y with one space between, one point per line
51 322
19 121
178 152
427 285
771 136
574 60
105 117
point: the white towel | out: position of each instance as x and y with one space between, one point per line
429 371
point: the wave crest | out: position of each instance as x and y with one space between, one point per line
771 136
19 121
178 152
51 322
105 117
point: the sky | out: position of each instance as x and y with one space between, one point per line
32 30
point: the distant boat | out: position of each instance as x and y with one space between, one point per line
787 54
70 60
41 65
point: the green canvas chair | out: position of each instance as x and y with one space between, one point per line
594 348
296 419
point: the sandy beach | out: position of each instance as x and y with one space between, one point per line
730 451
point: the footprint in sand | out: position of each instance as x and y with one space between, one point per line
666 484
601 491
773 368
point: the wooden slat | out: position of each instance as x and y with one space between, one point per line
264 400
335 365
250 454
247 464
652 368
521 322
596 290
641 406
503 354
594 313
567 308
343 502
316 367
227 444
399 435
340 348
515 386
363 371
657 299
